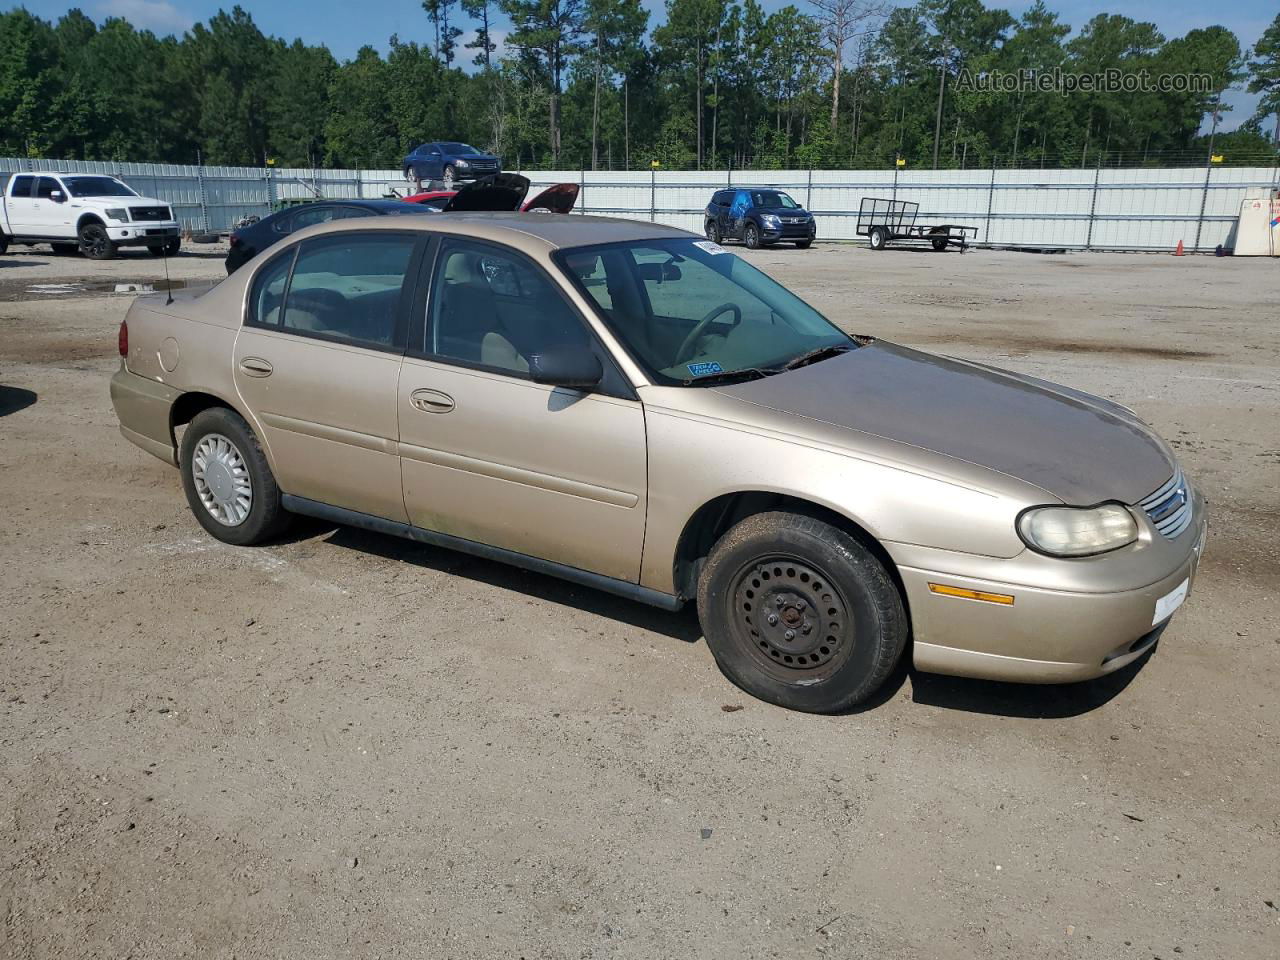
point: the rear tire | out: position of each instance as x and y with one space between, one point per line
712 231
845 618
95 243
751 236
4 244
939 243
227 480
879 238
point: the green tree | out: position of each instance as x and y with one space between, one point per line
1264 75
547 34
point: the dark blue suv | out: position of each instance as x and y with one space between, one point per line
449 161
758 216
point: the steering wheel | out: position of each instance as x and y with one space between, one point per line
699 328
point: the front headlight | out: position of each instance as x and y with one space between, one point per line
117 213
1077 531
770 221
461 163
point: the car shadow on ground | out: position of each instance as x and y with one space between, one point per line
13 399
681 625
11 261
1032 701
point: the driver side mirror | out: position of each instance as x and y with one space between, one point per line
575 367
56 196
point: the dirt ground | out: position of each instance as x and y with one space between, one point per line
345 745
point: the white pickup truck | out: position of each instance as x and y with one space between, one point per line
89 212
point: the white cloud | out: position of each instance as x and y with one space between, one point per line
158 15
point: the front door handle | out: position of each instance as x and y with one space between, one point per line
431 401
254 367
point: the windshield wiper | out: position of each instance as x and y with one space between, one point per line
813 356
730 376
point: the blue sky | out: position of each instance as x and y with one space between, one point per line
332 22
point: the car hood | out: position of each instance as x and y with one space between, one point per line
1079 448
783 211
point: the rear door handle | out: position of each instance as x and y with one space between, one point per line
431 401
254 367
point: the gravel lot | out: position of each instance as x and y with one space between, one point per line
345 745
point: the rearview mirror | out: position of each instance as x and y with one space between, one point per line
575 367
658 272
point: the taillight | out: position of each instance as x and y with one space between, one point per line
122 340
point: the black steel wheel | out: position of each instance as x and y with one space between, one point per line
712 231
939 243
751 236
94 242
799 613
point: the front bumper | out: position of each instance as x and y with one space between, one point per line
790 231
143 232
1045 635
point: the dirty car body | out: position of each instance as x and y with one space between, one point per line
631 407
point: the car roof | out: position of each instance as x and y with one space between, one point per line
528 231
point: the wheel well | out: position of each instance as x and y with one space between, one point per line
188 405
88 218
713 520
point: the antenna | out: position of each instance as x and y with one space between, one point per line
168 286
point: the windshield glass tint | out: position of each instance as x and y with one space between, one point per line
687 309
772 198
97 187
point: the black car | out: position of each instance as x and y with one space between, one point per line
449 162
758 216
247 242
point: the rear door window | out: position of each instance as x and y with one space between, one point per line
347 288
22 186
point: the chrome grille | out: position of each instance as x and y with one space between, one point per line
1169 508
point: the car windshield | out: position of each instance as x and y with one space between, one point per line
690 312
772 198
458 148
97 187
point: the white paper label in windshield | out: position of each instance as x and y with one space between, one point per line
1170 602
711 248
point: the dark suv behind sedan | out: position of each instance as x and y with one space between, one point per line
757 217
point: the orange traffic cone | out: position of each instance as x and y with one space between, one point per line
1178 252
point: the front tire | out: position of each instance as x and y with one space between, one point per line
227 480
95 243
712 231
751 236
449 177
800 614
879 238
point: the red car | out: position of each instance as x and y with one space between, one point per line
503 191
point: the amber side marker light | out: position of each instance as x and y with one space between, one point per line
943 590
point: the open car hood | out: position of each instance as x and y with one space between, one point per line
495 193
559 198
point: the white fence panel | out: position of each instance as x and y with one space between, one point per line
1128 209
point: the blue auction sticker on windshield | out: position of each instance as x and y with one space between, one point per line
704 369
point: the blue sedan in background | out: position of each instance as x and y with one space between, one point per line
449 161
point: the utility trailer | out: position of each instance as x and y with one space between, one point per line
885 221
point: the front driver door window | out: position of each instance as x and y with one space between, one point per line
318 361
491 456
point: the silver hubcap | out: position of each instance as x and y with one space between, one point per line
222 479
